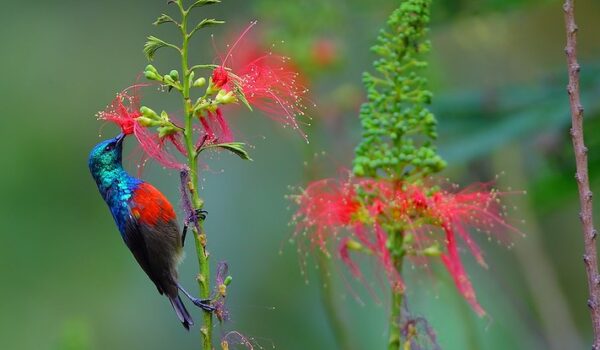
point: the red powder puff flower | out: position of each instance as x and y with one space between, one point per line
361 208
328 206
220 77
268 81
124 111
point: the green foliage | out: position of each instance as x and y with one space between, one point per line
205 23
154 44
398 129
236 148
164 19
200 3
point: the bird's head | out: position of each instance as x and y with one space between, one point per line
106 156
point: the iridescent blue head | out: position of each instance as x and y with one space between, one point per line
105 161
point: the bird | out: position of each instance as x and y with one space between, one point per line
147 223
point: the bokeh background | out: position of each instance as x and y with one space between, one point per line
498 72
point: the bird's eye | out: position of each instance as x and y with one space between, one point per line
109 147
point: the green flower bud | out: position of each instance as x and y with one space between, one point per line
227 280
199 82
211 87
174 75
148 113
167 79
150 75
224 97
164 116
147 122
166 130
151 68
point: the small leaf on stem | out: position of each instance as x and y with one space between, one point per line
153 44
164 19
205 23
201 3
235 147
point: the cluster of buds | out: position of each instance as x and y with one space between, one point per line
214 96
171 79
150 118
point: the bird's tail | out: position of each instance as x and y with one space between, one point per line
181 312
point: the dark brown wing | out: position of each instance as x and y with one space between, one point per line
156 249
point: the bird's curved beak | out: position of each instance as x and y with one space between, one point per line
120 138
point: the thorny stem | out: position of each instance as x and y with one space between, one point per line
585 194
197 202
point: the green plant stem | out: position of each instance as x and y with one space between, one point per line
395 339
197 202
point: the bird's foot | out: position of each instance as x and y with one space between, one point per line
204 304
197 214
201 214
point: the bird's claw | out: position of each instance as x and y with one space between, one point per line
204 304
197 214
200 214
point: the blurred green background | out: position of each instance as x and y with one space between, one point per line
498 73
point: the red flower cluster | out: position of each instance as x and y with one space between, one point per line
124 111
266 81
363 209
220 77
269 82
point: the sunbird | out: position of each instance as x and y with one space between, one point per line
146 221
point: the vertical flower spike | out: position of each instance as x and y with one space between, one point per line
396 109
393 210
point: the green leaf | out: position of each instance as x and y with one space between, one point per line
201 3
153 44
164 19
235 147
205 23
